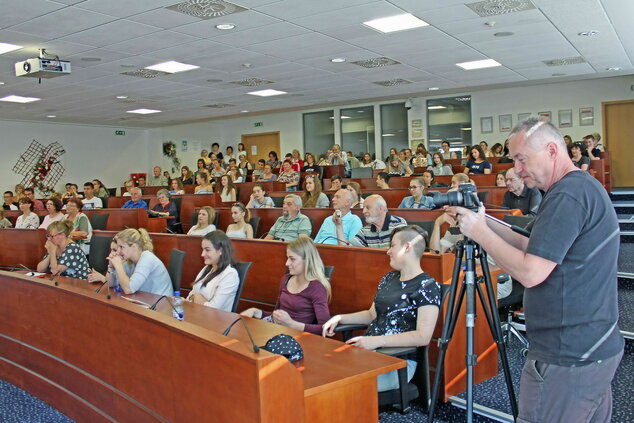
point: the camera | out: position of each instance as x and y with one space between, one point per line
465 196
408 103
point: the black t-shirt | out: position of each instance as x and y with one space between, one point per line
583 160
528 201
572 316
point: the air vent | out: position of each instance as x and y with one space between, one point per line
500 7
393 82
219 105
565 61
206 9
377 62
251 82
144 73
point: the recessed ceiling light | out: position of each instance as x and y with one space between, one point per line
19 99
5 48
396 23
478 64
172 67
436 107
244 111
614 68
267 93
338 60
144 111
588 33
389 135
433 88
225 27
345 117
122 97
1 83
465 129
246 65
51 116
503 34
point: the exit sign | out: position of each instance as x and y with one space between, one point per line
256 124
119 132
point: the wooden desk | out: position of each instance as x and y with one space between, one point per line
403 181
100 360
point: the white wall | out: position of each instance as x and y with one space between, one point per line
91 151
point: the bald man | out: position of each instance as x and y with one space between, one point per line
379 224
520 196
569 269
350 224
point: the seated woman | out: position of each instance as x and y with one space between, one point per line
226 189
111 275
54 209
500 178
167 208
206 217
313 196
241 227
578 159
81 224
28 219
244 165
187 177
452 235
273 160
366 160
289 176
405 306
100 190
440 168
203 184
496 151
356 188
63 257
241 150
396 168
268 174
258 199
19 192
310 165
176 187
422 158
477 164
302 303
4 222
217 283
149 274
235 175
417 199
216 169
201 167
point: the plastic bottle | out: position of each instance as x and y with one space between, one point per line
177 302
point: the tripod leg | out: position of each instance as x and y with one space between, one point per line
496 329
470 316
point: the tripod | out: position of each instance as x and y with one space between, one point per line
470 250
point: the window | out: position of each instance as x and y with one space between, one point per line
357 130
393 128
319 132
449 119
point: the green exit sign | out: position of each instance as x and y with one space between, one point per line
119 132
256 124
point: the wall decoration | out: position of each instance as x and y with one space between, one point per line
417 123
547 116
523 116
586 116
184 145
506 123
41 167
565 118
486 125
417 133
169 150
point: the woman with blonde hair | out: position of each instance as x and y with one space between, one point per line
241 227
206 217
356 188
203 183
305 292
396 167
313 196
149 274
63 257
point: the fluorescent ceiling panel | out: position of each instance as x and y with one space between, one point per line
6 48
18 99
144 111
396 23
172 67
267 93
478 64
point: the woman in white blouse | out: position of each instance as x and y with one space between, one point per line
28 219
217 283
54 208
205 224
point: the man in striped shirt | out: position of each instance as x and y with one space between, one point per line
379 224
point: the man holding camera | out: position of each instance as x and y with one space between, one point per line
571 296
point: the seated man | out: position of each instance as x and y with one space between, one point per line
342 202
292 224
37 204
136 202
128 185
141 181
592 149
90 201
379 225
418 199
520 196
335 183
8 201
157 179
383 180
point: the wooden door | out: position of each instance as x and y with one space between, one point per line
263 143
618 138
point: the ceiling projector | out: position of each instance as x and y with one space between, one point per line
42 68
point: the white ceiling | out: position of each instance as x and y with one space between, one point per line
291 42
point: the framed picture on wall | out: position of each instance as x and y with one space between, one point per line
523 116
547 116
417 133
417 123
586 116
565 118
506 123
486 125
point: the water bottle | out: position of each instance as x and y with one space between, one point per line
177 302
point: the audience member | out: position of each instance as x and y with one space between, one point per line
568 140
335 183
485 148
135 202
204 156
8 201
28 219
241 150
379 225
296 160
167 208
201 167
19 192
592 150
54 209
439 167
302 303
259 170
37 204
157 179
203 184
383 180
453 235
229 154
140 182
226 189
417 199
273 160
353 161
310 165
289 176
520 196
176 187
240 228
578 159
128 185
244 165
446 152
187 177
500 179
215 152
206 217
4 222
100 190
149 274
405 306
496 151
216 285
292 223
429 180
111 275
313 196
90 201
268 174
216 169
82 229
356 188
396 167
68 192
477 164
259 199
63 257
342 225
337 157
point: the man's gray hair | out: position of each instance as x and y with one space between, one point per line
163 192
297 200
140 190
379 200
539 133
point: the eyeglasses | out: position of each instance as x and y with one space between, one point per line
413 187
49 236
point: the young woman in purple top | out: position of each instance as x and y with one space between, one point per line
304 295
